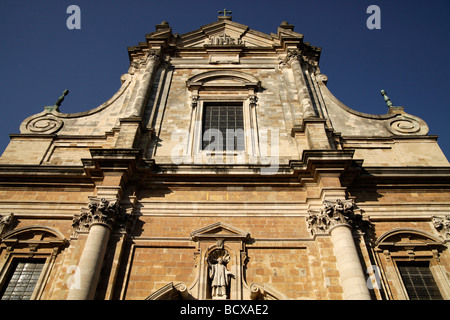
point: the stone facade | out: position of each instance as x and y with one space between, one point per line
323 202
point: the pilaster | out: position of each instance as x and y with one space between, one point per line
138 104
293 58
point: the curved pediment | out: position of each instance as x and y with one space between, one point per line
406 237
35 234
223 78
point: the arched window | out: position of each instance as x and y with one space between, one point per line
410 260
223 117
29 254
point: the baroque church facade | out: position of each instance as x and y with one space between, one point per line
224 168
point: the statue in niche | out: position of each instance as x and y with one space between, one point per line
218 273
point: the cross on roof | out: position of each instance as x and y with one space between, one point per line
225 11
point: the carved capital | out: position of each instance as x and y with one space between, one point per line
332 214
291 55
294 54
102 212
153 55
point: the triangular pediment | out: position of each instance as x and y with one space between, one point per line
219 230
238 34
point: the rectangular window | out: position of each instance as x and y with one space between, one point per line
418 280
223 126
22 279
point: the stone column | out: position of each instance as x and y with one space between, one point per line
99 220
293 58
352 277
336 218
138 104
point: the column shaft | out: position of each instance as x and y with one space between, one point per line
352 277
90 263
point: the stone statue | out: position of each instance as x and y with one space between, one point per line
219 274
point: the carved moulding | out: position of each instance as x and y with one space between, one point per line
339 212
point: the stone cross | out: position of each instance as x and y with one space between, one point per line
225 11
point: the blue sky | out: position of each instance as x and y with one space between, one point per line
408 56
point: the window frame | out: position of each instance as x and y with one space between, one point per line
251 143
11 268
430 267
236 105
409 244
31 242
222 86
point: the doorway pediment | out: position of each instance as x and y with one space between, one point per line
219 230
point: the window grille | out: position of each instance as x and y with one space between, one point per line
418 280
226 118
23 279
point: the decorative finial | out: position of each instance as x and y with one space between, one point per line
386 98
61 99
57 103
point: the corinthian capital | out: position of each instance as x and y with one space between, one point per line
332 214
294 54
153 55
291 55
99 212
